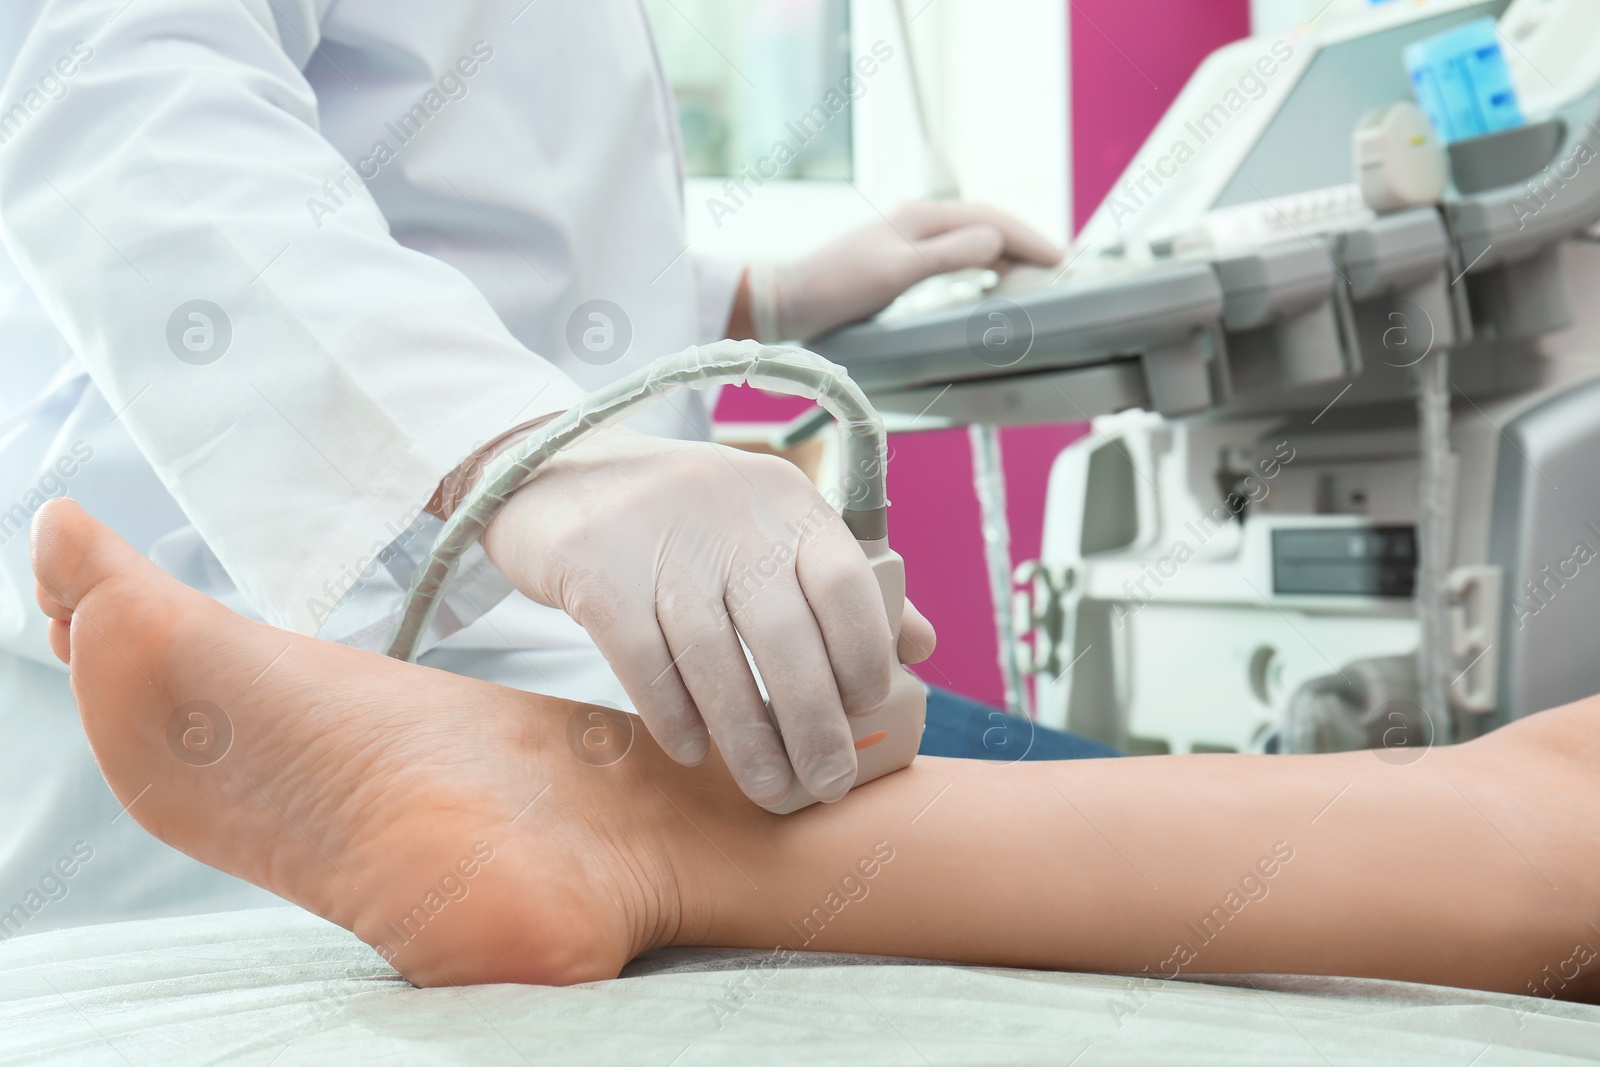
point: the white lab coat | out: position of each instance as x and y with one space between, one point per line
171 151
397 208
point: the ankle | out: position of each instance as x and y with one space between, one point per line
714 850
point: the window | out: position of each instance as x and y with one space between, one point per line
750 75
754 81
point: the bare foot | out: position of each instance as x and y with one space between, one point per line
473 833
447 822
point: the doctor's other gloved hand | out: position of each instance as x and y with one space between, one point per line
864 271
669 552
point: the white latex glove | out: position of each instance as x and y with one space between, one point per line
863 272
669 552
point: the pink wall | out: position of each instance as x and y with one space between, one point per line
1129 60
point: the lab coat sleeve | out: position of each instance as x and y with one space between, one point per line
716 286
298 379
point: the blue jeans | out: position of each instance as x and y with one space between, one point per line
966 729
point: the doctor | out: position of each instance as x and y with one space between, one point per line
290 270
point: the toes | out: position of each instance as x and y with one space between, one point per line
72 553
60 635
49 604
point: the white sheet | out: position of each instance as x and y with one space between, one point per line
281 987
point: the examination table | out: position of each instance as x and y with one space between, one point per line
279 986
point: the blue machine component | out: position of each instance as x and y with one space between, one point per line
1462 81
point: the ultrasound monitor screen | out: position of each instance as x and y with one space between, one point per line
1309 143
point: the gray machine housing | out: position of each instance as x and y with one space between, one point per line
1327 335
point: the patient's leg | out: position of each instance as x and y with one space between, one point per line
364 789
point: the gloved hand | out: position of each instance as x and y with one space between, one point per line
668 552
863 272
